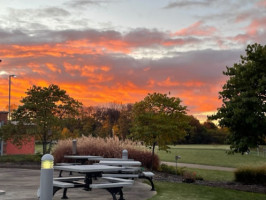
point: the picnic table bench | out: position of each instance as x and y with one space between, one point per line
130 171
112 184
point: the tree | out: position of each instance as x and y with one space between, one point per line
159 120
42 113
244 100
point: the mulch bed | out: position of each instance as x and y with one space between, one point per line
228 185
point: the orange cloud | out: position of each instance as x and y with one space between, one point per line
196 29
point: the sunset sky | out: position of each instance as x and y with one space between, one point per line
103 51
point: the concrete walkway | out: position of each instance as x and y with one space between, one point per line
22 184
196 166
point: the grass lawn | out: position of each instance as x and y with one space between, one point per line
213 175
210 155
182 191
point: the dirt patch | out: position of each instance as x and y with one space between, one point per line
228 185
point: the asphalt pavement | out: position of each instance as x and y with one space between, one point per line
22 184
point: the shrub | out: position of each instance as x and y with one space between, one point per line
105 147
171 170
20 158
251 175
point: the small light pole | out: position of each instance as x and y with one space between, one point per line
46 182
124 154
176 158
9 95
74 147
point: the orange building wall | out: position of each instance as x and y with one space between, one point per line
26 148
11 149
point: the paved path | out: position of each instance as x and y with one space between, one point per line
200 166
22 184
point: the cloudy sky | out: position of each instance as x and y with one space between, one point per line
103 51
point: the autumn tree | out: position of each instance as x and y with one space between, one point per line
244 100
159 120
41 114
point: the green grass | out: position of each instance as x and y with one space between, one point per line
38 148
182 191
213 175
210 155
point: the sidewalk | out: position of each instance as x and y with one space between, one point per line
196 166
22 184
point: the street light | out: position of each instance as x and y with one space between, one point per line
9 95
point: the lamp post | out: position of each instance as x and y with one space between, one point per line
9 95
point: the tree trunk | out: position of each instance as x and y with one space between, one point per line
44 144
152 157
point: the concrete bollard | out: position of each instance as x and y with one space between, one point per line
47 173
74 147
124 154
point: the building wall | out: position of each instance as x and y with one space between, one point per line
28 147
3 117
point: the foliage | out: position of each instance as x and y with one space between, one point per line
206 133
41 114
244 100
251 175
20 158
159 120
189 177
105 147
212 175
171 169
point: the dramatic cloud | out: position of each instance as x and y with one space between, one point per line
99 51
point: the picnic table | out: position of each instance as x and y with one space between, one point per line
120 163
90 173
82 158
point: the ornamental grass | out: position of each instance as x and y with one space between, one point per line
251 175
105 147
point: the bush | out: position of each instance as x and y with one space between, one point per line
188 177
20 158
251 175
105 147
171 170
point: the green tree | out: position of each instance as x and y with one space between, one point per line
159 120
244 100
41 115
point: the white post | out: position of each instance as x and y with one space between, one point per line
47 173
74 147
124 154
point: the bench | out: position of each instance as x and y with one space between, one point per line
69 178
113 188
57 185
146 175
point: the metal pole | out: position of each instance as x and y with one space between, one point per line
74 147
47 173
9 94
